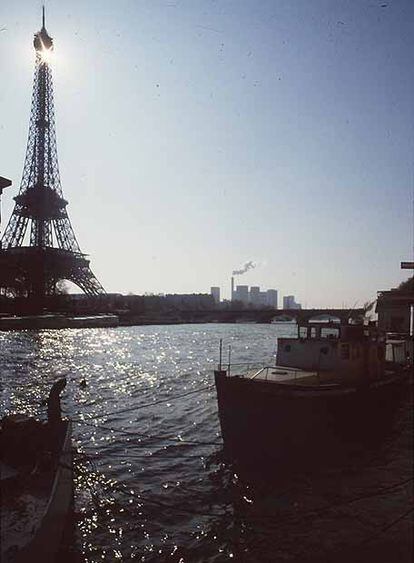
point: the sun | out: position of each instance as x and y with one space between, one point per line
43 45
46 55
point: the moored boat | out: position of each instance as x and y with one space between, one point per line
36 487
331 387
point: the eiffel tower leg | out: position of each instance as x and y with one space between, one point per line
86 280
15 231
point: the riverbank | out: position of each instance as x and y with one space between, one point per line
60 320
52 321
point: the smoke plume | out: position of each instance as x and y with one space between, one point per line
248 266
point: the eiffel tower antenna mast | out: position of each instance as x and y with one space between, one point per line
39 247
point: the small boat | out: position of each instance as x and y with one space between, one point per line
331 386
36 487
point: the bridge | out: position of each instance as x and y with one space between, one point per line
268 315
304 315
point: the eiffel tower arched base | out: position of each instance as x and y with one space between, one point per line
34 272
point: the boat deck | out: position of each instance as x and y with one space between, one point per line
281 374
294 376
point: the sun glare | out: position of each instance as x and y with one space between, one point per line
46 55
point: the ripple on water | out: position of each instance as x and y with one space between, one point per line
150 481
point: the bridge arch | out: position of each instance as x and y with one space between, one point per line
283 316
325 317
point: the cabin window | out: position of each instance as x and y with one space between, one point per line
303 332
329 332
288 348
324 350
344 352
313 332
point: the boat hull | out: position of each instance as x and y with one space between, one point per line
47 540
265 420
43 541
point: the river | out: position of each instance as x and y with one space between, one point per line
151 483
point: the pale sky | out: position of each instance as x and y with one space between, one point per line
195 135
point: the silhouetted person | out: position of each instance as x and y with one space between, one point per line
54 412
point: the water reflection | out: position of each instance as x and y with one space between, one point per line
151 482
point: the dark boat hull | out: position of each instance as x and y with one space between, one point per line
47 540
264 420
55 485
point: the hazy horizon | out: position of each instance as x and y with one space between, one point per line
194 136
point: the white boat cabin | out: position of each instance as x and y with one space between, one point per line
349 350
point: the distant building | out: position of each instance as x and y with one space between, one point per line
242 294
395 308
254 295
215 292
290 303
271 298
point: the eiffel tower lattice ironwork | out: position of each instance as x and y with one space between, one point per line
39 247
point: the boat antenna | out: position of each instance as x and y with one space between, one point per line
43 17
350 311
220 353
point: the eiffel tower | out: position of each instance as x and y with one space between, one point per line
39 247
